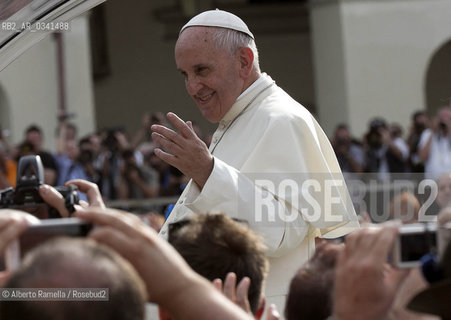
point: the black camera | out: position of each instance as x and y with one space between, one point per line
30 176
416 240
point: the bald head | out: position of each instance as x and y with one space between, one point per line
70 263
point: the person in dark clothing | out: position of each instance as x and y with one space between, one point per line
34 136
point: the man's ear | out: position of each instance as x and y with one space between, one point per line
261 309
163 315
246 58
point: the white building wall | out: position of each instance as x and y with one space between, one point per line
79 83
329 64
30 86
387 46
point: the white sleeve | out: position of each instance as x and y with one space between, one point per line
229 191
282 215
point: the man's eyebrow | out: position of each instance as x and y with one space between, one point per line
200 65
195 67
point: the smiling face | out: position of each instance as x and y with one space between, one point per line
213 77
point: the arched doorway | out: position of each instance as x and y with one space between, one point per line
438 79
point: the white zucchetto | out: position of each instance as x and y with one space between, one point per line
219 18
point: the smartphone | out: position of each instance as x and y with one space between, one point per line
39 233
413 242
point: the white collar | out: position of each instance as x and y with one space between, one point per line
252 86
245 97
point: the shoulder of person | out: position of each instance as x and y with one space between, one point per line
283 110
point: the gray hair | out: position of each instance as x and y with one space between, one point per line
232 40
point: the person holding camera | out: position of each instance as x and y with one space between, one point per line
435 145
34 138
136 182
386 151
420 122
170 282
350 155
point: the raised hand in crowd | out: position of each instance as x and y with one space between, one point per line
239 295
143 135
365 286
169 281
236 293
122 140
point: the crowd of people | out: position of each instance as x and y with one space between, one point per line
214 268
123 167
387 152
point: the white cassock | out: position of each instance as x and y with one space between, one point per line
275 168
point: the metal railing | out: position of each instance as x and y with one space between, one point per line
141 205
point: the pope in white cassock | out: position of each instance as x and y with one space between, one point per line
269 161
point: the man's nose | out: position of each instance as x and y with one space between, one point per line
193 85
